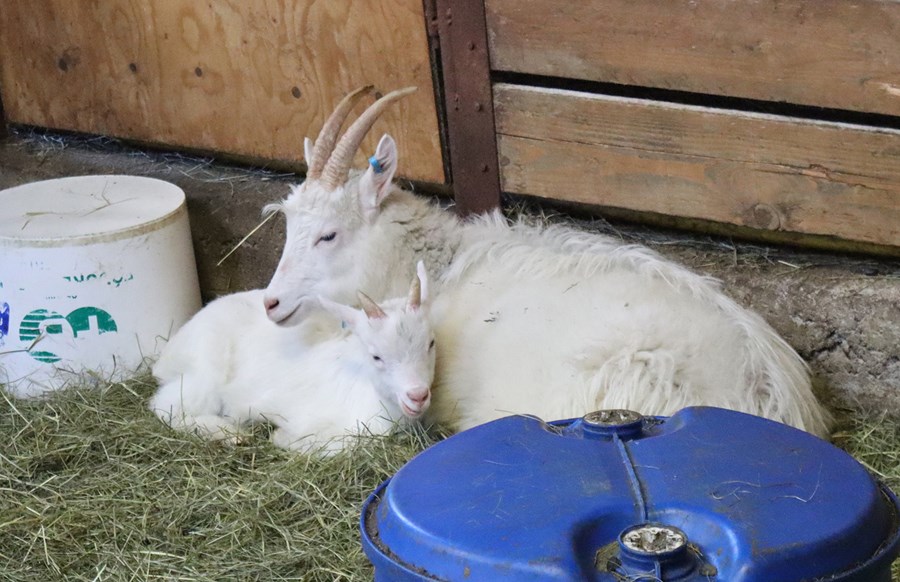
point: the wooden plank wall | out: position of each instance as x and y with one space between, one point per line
246 78
752 170
813 62
831 53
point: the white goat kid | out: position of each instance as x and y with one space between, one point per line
230 366
530 319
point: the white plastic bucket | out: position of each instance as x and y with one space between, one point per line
96 272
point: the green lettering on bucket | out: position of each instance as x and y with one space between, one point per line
82 320
45 357
30 328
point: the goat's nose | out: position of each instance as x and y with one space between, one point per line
418 395
270 303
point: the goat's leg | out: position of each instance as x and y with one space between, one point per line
189 404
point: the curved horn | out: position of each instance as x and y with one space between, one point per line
415 294
370 307
339 163
329 133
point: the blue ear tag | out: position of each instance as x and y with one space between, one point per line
376 165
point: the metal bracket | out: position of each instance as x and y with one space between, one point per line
461 31
4 128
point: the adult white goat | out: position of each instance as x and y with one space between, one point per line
230 366
530 319
340 233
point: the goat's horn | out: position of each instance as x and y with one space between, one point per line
415 294
329 133
339 163
370 307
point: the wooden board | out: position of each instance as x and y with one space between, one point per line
832 53
246 78
744 169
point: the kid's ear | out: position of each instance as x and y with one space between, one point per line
375 184
369 307
345 313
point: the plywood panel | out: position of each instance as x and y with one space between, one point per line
249 78
832 53
745 169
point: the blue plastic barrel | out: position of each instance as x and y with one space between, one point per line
707 494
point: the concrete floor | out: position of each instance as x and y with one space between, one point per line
841 312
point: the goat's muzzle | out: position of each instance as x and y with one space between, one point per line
415 402
278 312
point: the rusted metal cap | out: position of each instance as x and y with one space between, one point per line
614 417
653 540
625 424
656 549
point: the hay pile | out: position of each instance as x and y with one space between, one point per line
93 487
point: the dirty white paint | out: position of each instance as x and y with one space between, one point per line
95 273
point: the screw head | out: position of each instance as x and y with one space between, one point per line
607 424
659 548
653 539
614 417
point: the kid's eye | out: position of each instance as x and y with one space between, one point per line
327 238
431 345
376 358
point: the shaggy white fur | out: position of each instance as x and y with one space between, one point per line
556 322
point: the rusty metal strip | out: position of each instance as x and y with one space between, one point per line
468 104
4 131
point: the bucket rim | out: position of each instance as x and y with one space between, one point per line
26 241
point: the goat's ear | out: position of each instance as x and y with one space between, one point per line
415 295
345 313
422 284
418 292
376 182
307 150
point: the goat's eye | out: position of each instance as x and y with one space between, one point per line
431 345
327 237
376 358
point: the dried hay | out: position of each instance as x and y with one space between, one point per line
875 442
94 487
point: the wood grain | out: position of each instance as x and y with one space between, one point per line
744 169
245 78
830 53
